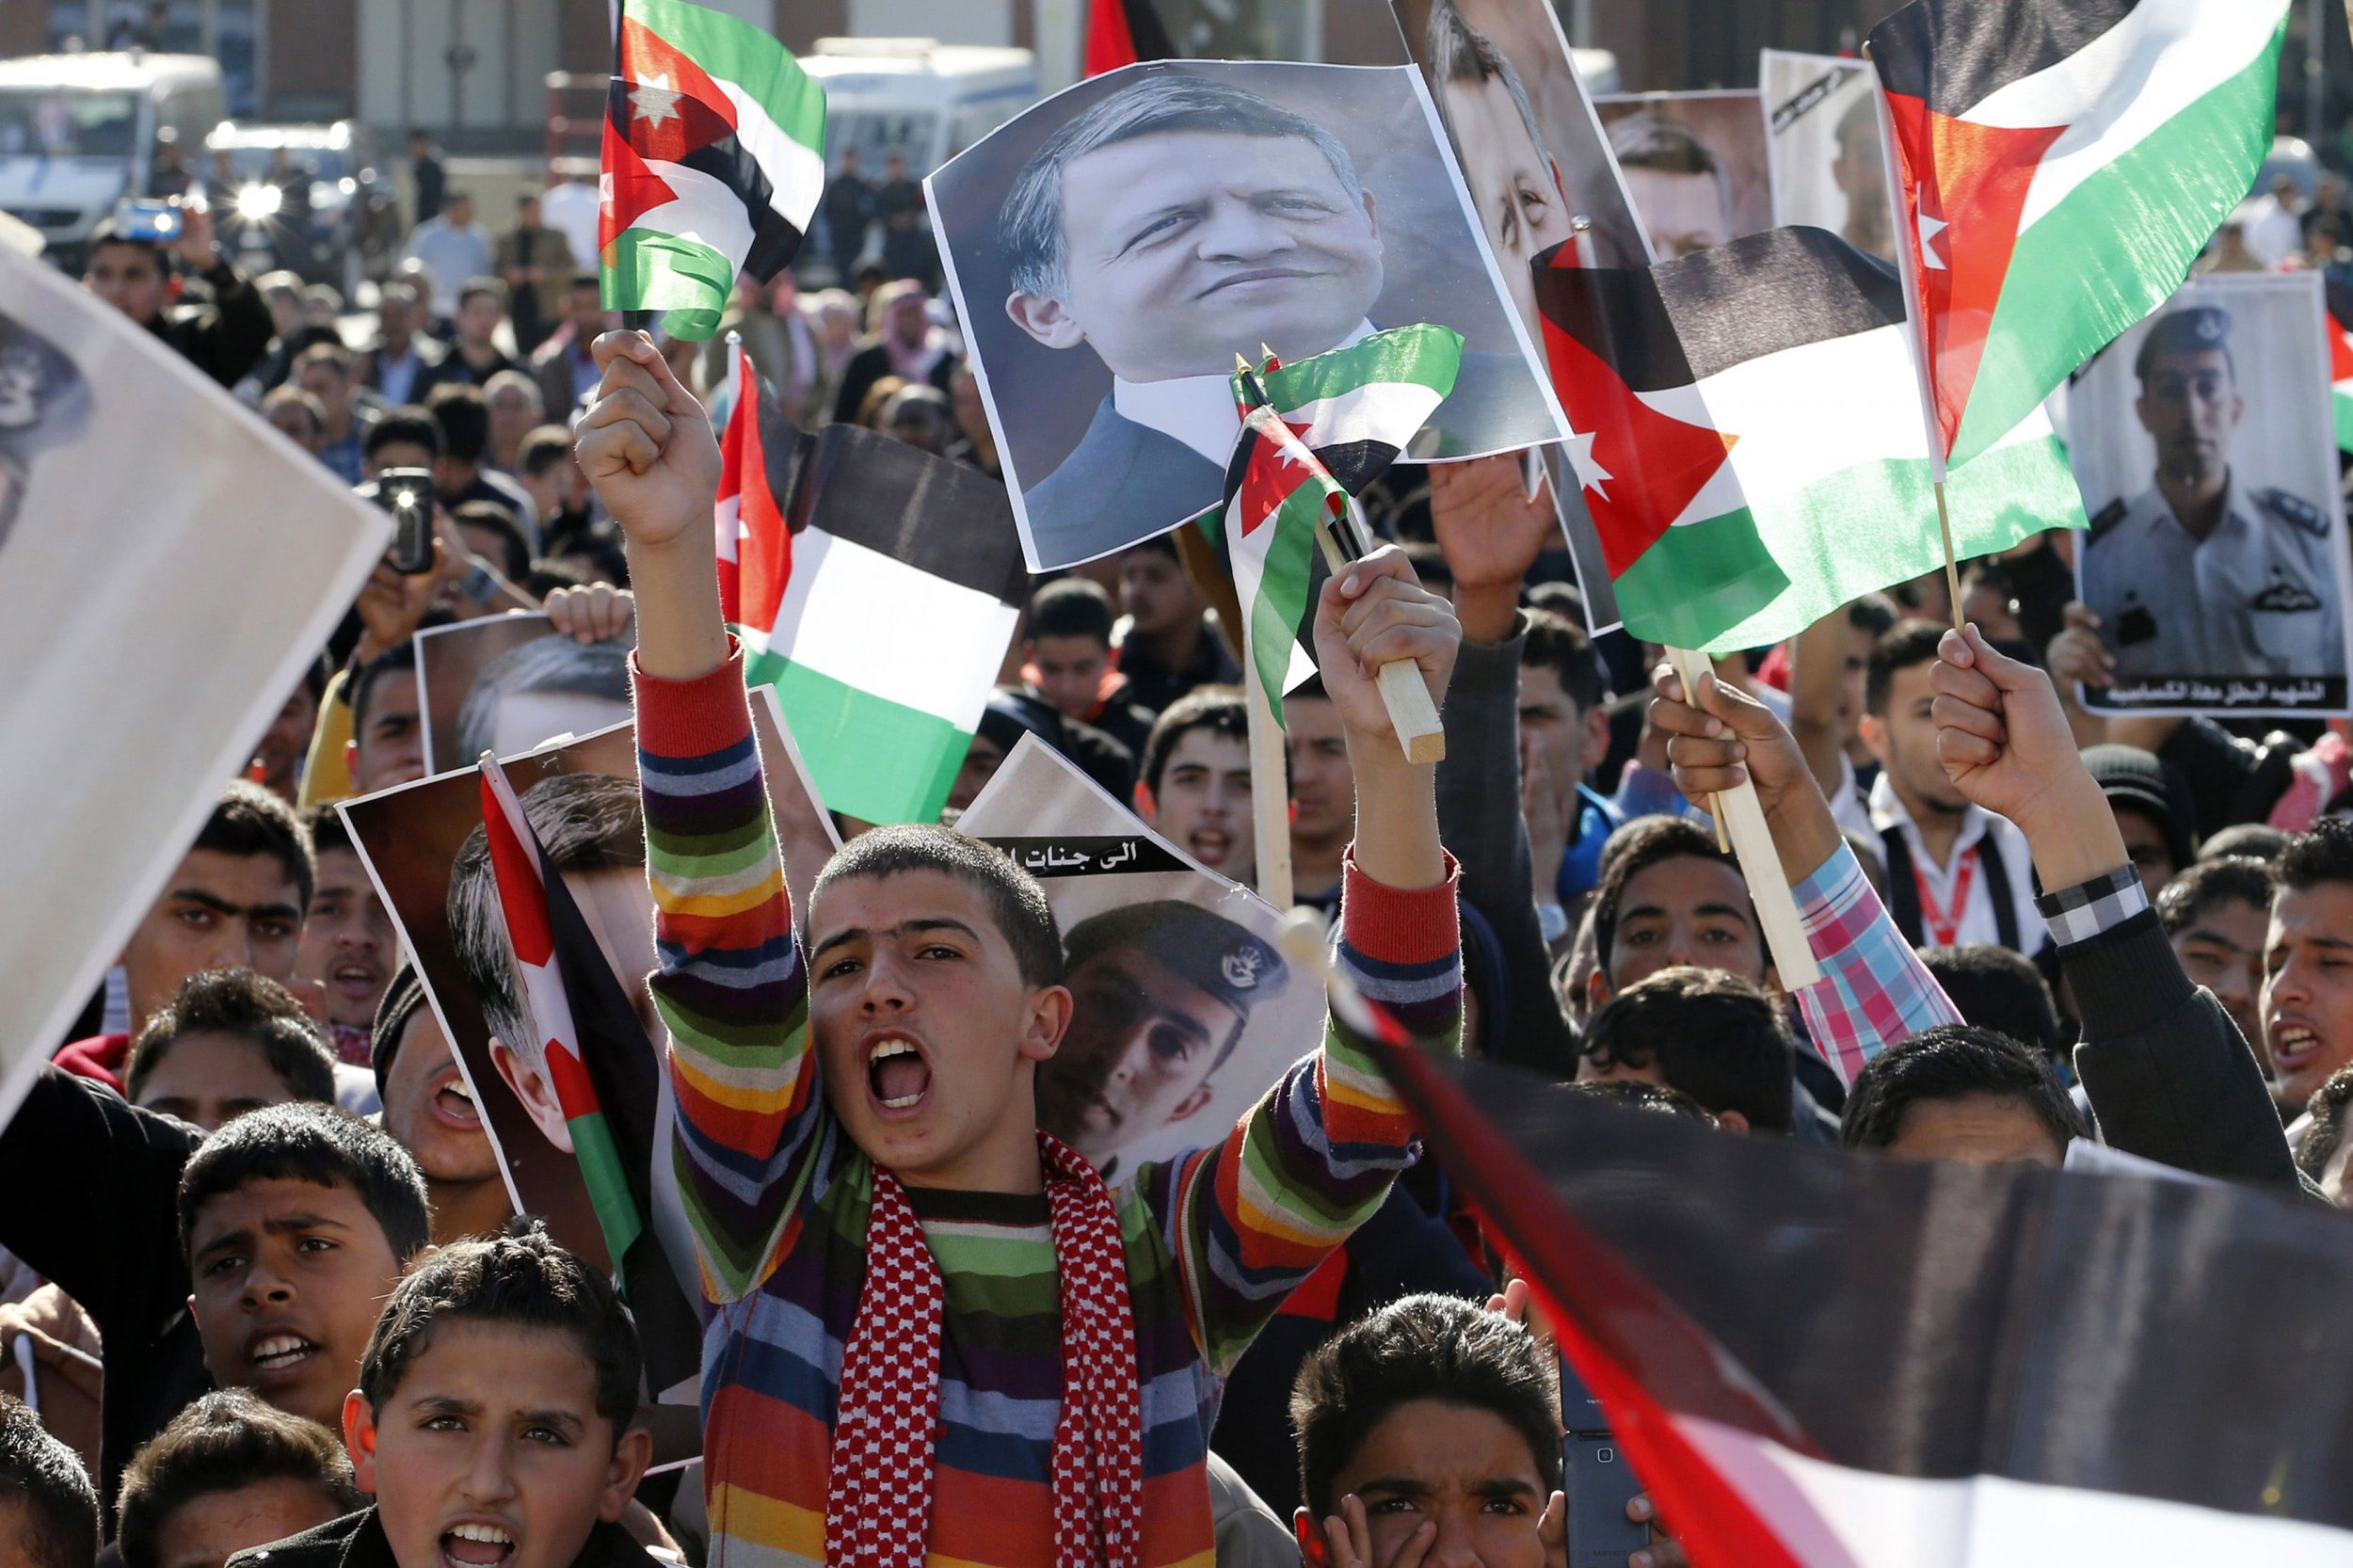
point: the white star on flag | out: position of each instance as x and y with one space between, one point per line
652 100
1591 475
1929 229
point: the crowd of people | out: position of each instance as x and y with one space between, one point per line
264 1287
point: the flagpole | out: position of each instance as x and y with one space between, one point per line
1908 269
1420 732
1270 797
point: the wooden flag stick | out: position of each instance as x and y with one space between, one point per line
1412 714
1739 813
1952 568
1270 796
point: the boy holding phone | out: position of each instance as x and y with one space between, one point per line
137 261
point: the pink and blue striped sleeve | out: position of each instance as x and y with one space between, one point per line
1874 990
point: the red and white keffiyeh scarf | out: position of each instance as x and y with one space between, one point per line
878 1493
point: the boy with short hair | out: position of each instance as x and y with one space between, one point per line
1066 659
230 1472
314 1209
295 1221
1430 1432
235 901
1716 1036
937 1331
229 1042
492 1420
48 1513
1192 781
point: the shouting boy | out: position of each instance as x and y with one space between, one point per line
937 1332
492 1421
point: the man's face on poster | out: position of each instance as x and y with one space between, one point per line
617 906
1512 183
1683 213
2191 405
1184 247
1137 1056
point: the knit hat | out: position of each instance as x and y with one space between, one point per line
402 998
2149 784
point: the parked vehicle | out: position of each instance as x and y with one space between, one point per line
78 133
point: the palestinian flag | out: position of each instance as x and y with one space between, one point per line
1817 1359
715 157
1358 408
1749 438
876 587
1276 494
1122 32
2060 164
2340 360
602 1067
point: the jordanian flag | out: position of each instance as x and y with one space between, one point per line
715 157
1814 1359
1358 408
2062 163
2340 360
1276 495
602 1070
880 611
753 539
1749 437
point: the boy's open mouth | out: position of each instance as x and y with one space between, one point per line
896 1074
455 1103
279 1354
477 1543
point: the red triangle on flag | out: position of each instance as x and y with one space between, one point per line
1276 470
628 189
752 583
1962 230
1639 467
2340 351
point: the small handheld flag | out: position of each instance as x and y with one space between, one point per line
714 159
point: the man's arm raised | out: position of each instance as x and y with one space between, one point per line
732 990
2167 1075
1249 1217
1874 990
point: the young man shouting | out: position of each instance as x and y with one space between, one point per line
938 1333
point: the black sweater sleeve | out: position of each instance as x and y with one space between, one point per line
1479 818
96 1206
2169 1077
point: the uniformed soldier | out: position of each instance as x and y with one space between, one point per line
2202 575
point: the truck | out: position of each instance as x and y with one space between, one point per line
78 133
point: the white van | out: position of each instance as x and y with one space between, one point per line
77 132
916 95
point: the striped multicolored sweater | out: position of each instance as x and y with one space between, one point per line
778 1197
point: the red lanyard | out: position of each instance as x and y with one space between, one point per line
1945 924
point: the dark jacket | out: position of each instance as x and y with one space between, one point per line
94 1187
1479 819
224 338
357 1541
2167 1073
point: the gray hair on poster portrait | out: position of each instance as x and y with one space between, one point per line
1114 248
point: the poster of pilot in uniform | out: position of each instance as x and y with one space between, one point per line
1184 1012
2206 451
